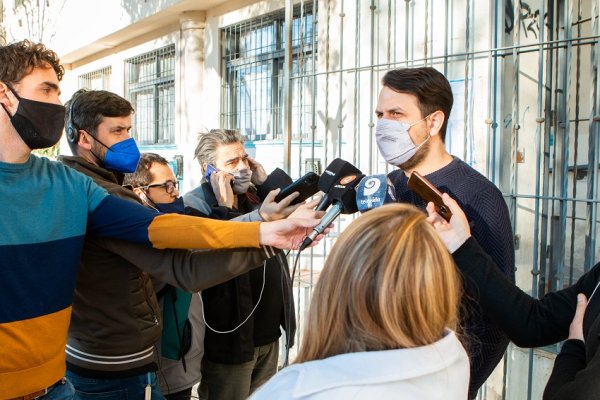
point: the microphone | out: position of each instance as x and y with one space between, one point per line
371 192
277 179
343 197
336 170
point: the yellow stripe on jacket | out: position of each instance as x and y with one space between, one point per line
32 353
182 231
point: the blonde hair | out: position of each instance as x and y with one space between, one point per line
388 283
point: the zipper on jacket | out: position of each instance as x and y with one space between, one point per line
145 288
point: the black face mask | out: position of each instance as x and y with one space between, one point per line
38 123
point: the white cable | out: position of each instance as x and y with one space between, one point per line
594 292
249 315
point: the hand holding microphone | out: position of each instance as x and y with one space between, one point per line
343 196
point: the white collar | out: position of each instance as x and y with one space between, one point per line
376 367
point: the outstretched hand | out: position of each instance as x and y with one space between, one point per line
576 327
272 211
307 210
453 233
288 233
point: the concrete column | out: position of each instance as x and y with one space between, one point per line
191 90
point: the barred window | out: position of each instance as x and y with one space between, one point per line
96 80
253 59
150 86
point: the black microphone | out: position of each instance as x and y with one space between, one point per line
277 179
336 169
343 197
371 191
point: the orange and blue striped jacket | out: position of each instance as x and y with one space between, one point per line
45 210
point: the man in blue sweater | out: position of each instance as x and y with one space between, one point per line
412 111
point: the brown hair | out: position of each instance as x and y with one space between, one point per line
18 60
87 109
142 175
428 85
388 283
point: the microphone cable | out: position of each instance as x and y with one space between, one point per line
289 315
295 264
262 289
288 337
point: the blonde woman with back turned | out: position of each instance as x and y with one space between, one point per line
382 317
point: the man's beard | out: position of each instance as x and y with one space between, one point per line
99 152
417 158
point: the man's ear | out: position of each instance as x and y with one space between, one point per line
139 192
204 166
435 121
84 142
6 99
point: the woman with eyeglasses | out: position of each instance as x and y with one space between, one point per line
382 318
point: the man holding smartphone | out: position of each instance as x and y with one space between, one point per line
412 111
243 316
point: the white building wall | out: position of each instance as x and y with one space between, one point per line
351 60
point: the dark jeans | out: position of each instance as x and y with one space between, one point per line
63 390
115 389
238 381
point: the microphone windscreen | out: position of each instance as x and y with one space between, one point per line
344 193
371 192
277 179
336 169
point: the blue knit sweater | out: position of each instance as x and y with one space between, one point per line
490 224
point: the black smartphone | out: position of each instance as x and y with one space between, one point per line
307 185
428 192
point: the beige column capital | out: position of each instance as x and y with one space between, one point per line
192 20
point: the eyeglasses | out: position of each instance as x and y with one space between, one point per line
169 186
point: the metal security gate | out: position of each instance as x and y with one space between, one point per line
526 114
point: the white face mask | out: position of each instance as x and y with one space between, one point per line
241 180
394 142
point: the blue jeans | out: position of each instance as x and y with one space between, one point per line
61 391
133 387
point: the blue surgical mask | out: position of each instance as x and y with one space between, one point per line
394 142
121 157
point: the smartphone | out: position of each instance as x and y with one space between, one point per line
209 170
428 192
306 186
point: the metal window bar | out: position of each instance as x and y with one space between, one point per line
96 80
526 60
252 69
150 86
